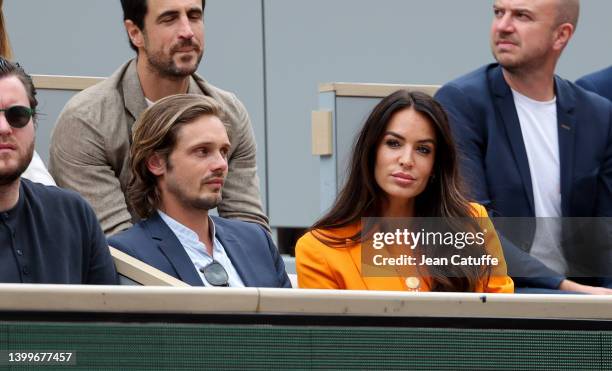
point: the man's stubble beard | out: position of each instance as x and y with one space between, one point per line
22 165
199 203
203 203
523 66
166 67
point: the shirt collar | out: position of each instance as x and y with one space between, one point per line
185 235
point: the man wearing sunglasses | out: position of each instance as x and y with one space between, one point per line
47 235
91 140
179 163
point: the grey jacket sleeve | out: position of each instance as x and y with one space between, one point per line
79 161
241 196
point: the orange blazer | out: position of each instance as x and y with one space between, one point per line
323 267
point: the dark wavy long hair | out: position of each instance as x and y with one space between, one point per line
443 197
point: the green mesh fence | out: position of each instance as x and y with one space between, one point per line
102 346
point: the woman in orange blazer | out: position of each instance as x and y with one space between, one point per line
404 165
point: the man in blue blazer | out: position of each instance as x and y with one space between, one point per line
599 82
178 165
536 145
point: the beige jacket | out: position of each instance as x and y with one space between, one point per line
90 148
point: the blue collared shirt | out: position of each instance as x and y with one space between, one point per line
199 254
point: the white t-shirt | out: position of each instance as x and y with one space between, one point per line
538 122
37 171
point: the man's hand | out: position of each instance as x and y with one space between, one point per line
568 285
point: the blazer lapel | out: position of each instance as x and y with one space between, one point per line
173 250
504 102
566 102
133 96
392 283
237 254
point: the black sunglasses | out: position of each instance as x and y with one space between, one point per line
18 116
215 274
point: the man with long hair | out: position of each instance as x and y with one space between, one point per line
179 164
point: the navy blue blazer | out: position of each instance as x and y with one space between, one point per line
248 246
494 161
599 82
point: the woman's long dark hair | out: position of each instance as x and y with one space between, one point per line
443 197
